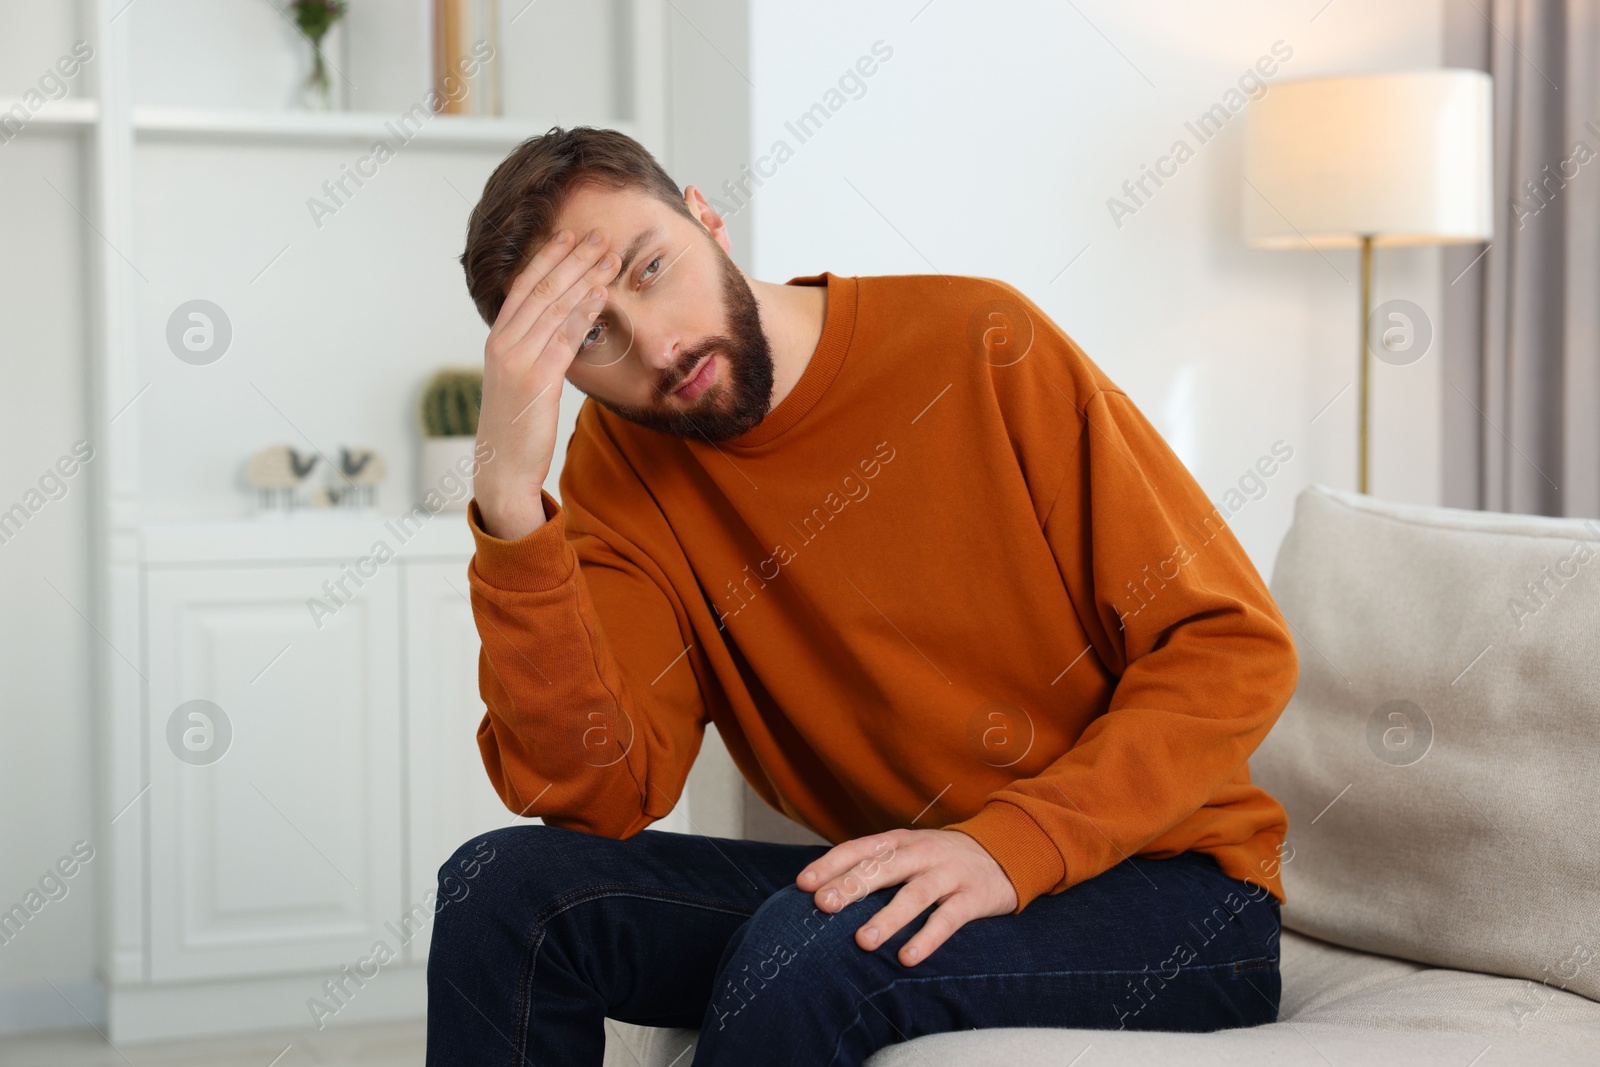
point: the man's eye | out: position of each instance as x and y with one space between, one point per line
651 267
596 335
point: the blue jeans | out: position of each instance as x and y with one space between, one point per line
553 930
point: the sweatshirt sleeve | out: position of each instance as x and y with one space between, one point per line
594 711
1174 608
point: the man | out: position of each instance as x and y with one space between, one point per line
949 599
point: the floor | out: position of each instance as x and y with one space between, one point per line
385 1045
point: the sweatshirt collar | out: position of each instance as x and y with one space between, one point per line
837 327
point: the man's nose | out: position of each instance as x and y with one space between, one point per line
659 353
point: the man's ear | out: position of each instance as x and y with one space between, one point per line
708 217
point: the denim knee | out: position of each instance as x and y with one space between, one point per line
464 873
791 916
787 958
507 874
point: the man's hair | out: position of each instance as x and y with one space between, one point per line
525 193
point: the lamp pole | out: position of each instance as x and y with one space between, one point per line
1365 357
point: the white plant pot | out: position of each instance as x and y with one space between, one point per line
445 471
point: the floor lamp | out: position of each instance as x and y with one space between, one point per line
1370 160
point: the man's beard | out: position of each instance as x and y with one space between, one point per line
742 393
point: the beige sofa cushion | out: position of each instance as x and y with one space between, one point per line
1277 1045
1339 1006
1440 758
1331 987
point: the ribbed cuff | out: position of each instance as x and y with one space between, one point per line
1024 851
538 562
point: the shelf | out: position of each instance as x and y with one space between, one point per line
362 127
56 114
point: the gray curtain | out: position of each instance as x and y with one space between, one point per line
1522 320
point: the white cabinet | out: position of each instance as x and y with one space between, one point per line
284 853
297 816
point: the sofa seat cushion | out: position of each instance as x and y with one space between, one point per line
1339 1006
1326 985
1279 1044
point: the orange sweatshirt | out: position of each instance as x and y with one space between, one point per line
955 579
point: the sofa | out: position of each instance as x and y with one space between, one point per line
1440 764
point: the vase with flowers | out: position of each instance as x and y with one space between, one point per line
314 19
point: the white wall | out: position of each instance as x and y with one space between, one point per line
45 753
46 750
989 143
709 110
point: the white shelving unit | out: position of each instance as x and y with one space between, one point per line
57 114
361 127
189 945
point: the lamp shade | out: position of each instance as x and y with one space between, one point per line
1403 158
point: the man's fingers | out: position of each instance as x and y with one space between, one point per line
946 919
914 896
539 264
932 867
537 382
546 328
553 296
834 862
562 347
872 855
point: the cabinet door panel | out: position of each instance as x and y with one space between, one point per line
283 853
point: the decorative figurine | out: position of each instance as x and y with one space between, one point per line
361 469
279 474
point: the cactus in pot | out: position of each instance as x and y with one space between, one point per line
450 402
448 413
